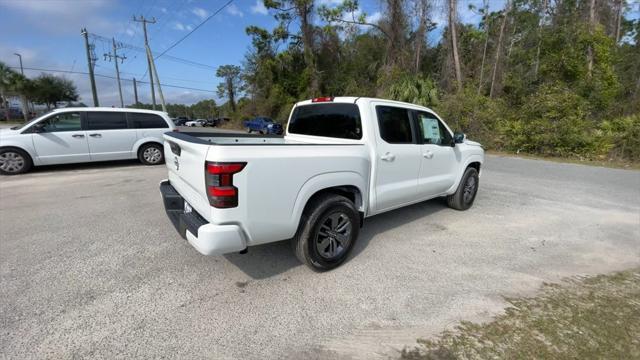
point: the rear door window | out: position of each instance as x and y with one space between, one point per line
146 121
337 120
106 120
395 124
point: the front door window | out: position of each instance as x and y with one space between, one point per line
62 122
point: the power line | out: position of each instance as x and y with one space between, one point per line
109 77
195 28
138 48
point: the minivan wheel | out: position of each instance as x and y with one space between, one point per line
464 196
151 154
327 232
14 161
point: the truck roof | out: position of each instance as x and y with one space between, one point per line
354 99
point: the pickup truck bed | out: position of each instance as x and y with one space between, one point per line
277 200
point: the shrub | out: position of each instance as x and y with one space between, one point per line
552 121
619 138
476 115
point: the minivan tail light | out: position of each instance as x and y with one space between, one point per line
219 182
322 99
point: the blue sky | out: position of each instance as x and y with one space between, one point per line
47 34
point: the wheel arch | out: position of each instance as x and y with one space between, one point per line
348 184
474 161
31 155
142 142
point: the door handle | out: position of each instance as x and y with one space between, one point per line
95 135
388 157
428 155
78 136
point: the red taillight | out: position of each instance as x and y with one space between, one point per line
219 181
224 168
176 130
322 99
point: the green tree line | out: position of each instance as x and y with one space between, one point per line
204 109
44 89
558 78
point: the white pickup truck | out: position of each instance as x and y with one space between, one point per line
341 160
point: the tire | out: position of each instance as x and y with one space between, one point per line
314 247
151 154
14 161
464 196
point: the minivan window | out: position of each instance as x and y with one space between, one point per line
395 124
69 121
106 120
146 121
337 120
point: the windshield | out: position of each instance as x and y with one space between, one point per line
338 120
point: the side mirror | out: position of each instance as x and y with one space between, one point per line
459 138
39 127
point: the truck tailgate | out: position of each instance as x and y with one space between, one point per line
185 161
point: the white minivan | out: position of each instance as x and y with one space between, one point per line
76 135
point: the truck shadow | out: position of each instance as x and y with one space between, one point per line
265 261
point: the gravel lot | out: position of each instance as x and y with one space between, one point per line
91 267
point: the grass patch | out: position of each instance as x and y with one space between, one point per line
616 164
582 318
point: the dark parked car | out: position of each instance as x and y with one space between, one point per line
180 120
212 122
263 125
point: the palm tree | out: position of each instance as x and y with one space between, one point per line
5 85
21 85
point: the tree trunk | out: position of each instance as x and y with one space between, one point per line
5 104
232 94
396 30
543 15
304 12
592 20
423 11
486 43
499 49
25 108
619 19
454 42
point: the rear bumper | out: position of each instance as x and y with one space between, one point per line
207 238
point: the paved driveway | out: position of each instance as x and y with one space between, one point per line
90 266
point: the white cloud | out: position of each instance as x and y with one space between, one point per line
163 10
179 26
200 12
63 16
233 10
330 3
189 27
259 8
374 18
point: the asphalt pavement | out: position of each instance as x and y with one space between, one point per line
90 267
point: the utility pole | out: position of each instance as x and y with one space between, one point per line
90 62
135 90
116 57
154 72
21 68
149 57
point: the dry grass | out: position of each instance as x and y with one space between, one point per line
611 163
582 318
